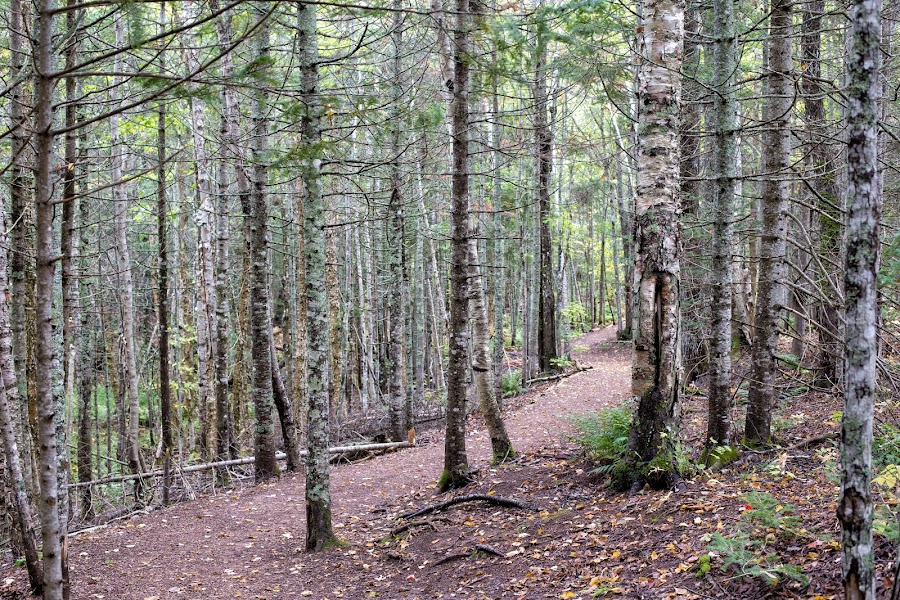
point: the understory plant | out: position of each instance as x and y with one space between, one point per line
603 435
748 548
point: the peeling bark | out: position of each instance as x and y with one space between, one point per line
657 360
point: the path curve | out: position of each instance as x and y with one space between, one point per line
236 544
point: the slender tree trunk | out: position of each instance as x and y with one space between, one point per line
126 291
226 445
22 223
396 363
456 462
482 366
861 297
498 230
208 374
256 228
285 409
9 394
86 390
770 295
69 277
827 197
543 140
656 362
162 310
54 539
319 533
719 427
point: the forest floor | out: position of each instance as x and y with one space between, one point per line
773 513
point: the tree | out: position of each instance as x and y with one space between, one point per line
861 298
776 188
53 535
256 227
456 461
543 152
9 394
725 160
656 361
394 232
319 533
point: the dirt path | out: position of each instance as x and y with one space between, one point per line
248 543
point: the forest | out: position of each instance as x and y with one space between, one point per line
460 298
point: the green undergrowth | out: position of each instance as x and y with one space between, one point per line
747 548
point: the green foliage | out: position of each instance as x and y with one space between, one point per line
764 521
563 362
603 436
575 315
719 456
703 565
885 524
511 382
886 446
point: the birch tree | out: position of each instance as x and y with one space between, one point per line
656 363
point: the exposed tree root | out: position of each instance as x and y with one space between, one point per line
495 500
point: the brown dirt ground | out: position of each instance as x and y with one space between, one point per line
582 543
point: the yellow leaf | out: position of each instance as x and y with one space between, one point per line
566 595
888 476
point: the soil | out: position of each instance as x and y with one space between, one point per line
577 540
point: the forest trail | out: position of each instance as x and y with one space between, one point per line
248 543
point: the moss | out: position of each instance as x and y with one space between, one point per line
500 458
621 476
703 565
443 482
335 542
659 471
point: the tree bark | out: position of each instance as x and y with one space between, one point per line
319 533
394 231
861 297
256 229
53 536
827 198
543 140
456 462
656 360
208 374
126 291
9 394
719 428
482 367
770 294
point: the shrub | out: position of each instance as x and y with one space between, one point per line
511 382
603 436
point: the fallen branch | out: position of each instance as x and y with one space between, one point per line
576 370
495 500
816 439
238 461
